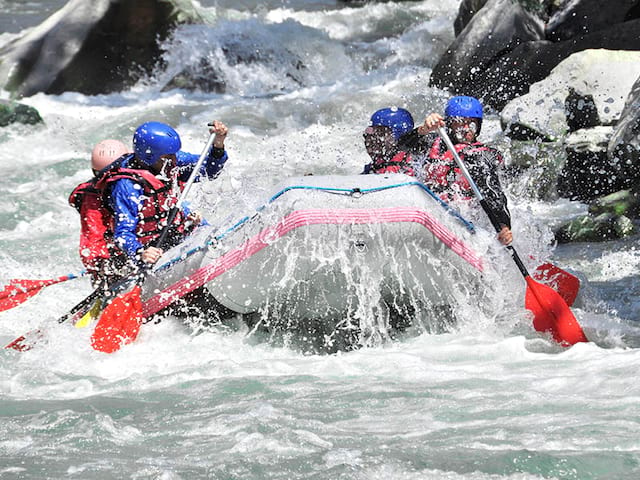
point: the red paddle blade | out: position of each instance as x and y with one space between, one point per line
561 281
19 291
552 314
27 341
119 323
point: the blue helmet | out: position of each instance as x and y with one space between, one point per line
152 140
462 106
398 119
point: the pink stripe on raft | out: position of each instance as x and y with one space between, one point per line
302 218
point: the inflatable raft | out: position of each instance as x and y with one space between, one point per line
337 261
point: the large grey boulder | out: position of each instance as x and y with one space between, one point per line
500 26
542 112
506 45
624 146
578 17
511 75
92 47
466 11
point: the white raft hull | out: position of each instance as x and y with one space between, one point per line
357 251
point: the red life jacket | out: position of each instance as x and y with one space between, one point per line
399 163
159 199
96 225
441 172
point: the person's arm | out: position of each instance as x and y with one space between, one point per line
415 143
216 157
126 201
483 167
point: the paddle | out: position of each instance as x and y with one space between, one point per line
19 291
120 321
550 311
25 342
561 281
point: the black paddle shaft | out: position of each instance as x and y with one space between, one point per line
483 202
498 226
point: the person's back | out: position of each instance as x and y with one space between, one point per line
96 246
381 136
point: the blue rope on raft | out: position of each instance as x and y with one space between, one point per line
346 191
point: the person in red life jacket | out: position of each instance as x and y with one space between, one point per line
439 171
141 188
381 141
96 229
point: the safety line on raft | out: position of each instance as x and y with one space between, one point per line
345 191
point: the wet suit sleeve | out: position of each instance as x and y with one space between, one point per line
483 167
211 167
126 201
415 144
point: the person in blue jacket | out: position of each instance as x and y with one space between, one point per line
143 187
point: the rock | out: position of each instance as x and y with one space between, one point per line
12 112
510 73
542 162
624 146
588 173
624 202
499 27
542 113
92 47
466 11
588 228
580 110
580 17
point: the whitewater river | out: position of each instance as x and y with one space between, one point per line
492 400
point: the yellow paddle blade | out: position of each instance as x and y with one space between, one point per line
90 316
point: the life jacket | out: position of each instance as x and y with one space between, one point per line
96 231
83 191
159 198
442 174
399 163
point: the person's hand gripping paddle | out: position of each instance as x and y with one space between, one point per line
551 314
121 319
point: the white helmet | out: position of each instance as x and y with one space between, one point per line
105 152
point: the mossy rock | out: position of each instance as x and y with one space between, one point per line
623 202
590 228
12 112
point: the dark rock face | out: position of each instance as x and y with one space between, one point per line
505 48
466 11
512 74
587 16
624 146
588 175
580 110
499 27
92 47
